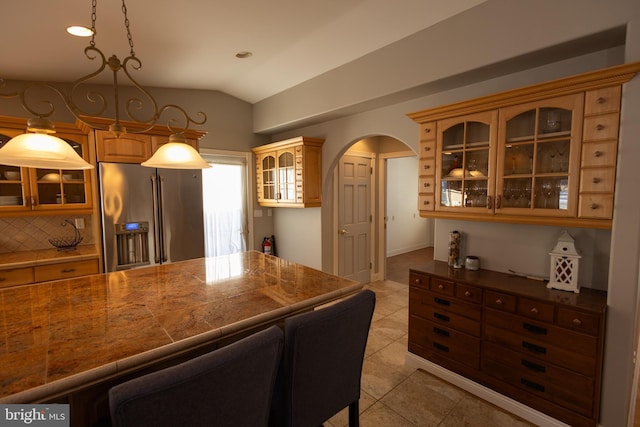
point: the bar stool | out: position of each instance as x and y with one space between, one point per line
231 386
322 363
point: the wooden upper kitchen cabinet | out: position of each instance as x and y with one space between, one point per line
31 191
289 173
543 154
134 147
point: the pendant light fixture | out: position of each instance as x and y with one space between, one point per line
176 154
40 149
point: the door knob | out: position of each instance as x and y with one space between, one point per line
343 232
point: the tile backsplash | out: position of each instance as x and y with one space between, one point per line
33 233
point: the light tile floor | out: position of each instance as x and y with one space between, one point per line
396 395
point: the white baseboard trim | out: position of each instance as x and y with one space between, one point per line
516 408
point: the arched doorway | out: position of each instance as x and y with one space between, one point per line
360 249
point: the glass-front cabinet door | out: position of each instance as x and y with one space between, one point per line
268 177
28 189
465 169
538 158
286 176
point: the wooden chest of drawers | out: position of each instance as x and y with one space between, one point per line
539 346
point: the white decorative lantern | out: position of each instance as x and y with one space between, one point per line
565 260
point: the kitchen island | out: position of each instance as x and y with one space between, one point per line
68 341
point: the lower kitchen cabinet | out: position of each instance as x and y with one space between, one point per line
65 270
541 347
54 270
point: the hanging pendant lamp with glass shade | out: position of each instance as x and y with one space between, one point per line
40 149
176 154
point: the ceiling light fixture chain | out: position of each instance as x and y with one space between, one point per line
94 16
126 25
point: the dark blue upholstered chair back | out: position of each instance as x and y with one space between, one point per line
322 363
231 386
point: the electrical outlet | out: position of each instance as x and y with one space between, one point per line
79 223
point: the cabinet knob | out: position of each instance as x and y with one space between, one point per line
427 148
498 202
600 127
467 293
594 206
601 100
418 281
598 153
426 167
427 130
596 180
441 287
534 311
577 322
489 202
426 203
498 301
426 185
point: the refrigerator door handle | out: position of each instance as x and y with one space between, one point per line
156 229
162 227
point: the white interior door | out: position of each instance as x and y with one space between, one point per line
354 218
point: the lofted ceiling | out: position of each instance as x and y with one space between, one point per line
191 44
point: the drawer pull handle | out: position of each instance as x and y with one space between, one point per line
533 366
594 206
441 301
467 293
534 348
441 347
596 180
600 127
441 317
427 130
534 329
426 185
577 322
67 270
441 332
427 148
499 301
489 202
426 202
441 286
418 281
531 384
534 311
601 100
598 153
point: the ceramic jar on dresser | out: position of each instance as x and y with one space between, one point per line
538 346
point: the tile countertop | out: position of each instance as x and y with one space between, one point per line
46 256
55 336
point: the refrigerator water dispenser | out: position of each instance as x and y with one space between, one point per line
132 241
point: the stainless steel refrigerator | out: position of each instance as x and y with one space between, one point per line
150 216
